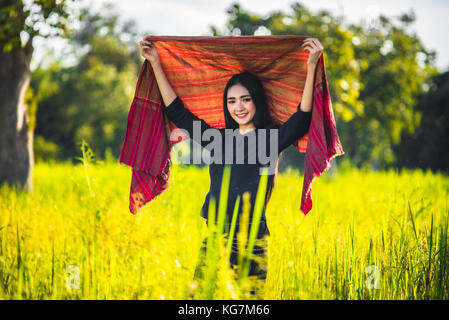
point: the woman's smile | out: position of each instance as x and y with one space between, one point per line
241 115
241 106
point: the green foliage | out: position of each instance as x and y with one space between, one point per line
91 99
45 151
427 147
107 38
395 67
17 17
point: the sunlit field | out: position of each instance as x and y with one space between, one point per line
370 235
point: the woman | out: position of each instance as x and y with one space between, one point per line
246 111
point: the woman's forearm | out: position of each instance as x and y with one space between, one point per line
167 92
307 94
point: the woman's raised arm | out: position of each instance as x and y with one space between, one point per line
315 50
298 124
174 107
149 52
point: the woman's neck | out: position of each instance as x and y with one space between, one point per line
246 128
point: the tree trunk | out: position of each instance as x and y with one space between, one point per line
16 140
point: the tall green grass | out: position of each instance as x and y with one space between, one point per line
370 235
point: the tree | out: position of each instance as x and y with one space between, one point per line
395 69
427 147
90 99
20 23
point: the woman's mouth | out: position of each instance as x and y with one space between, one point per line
241 115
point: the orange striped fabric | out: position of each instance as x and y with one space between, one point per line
198 69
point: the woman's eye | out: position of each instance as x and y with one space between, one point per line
247 99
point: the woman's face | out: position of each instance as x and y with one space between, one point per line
241 106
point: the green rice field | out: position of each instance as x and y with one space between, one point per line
370 235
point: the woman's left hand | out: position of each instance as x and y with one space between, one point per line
315 50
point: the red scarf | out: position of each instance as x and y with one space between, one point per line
198 69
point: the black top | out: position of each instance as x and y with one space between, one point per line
244 176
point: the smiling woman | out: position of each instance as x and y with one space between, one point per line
245 110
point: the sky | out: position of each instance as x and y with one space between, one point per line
194 17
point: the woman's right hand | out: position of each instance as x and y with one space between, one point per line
149 52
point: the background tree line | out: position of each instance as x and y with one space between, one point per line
90 99
390 101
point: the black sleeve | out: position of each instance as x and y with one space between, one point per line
184 119
294 128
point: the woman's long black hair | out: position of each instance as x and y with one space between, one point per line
254 86
261 118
